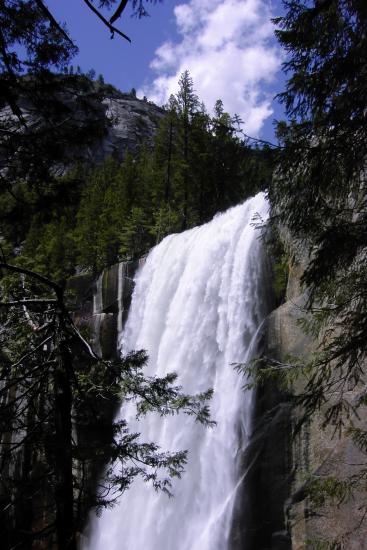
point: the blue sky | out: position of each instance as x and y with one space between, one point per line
227 45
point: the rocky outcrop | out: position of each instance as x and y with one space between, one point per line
88 123
101 305
132 123
126 123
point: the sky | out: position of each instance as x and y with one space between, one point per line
227 45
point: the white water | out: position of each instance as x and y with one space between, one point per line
197 304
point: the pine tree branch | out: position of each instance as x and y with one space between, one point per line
265 142
10 97
28 354
53 21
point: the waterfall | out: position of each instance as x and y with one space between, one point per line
196 307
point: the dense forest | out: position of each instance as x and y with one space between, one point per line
93 216
61 216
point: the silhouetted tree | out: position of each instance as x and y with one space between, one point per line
50 383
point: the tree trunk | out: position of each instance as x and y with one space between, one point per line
63 450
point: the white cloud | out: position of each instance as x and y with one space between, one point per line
229 49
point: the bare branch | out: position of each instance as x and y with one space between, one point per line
45 280
28 302
84 342
119 11
105 21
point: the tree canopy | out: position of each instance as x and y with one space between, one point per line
319 194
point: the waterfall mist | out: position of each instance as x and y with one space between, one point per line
198 302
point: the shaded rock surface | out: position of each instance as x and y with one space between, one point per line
100 310
267 464
314 451
132 122
101 305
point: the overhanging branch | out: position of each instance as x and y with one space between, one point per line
105 21
119 11
41 278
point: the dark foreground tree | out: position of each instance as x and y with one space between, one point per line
319 193
52 387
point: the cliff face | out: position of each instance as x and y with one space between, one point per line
86 124
101 305
100 308
313 451
132 122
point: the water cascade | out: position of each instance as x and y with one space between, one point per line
196 307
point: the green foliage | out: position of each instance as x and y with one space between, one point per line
51 251
280 278
319 188
317 544
262 370
322 490
134 236
92 218
279 264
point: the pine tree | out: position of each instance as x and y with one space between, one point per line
319 189
227 157
165 147
187 103
200 206
134 234
319 193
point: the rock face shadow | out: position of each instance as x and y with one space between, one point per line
259 514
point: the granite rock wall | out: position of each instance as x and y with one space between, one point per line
101 305
313 451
